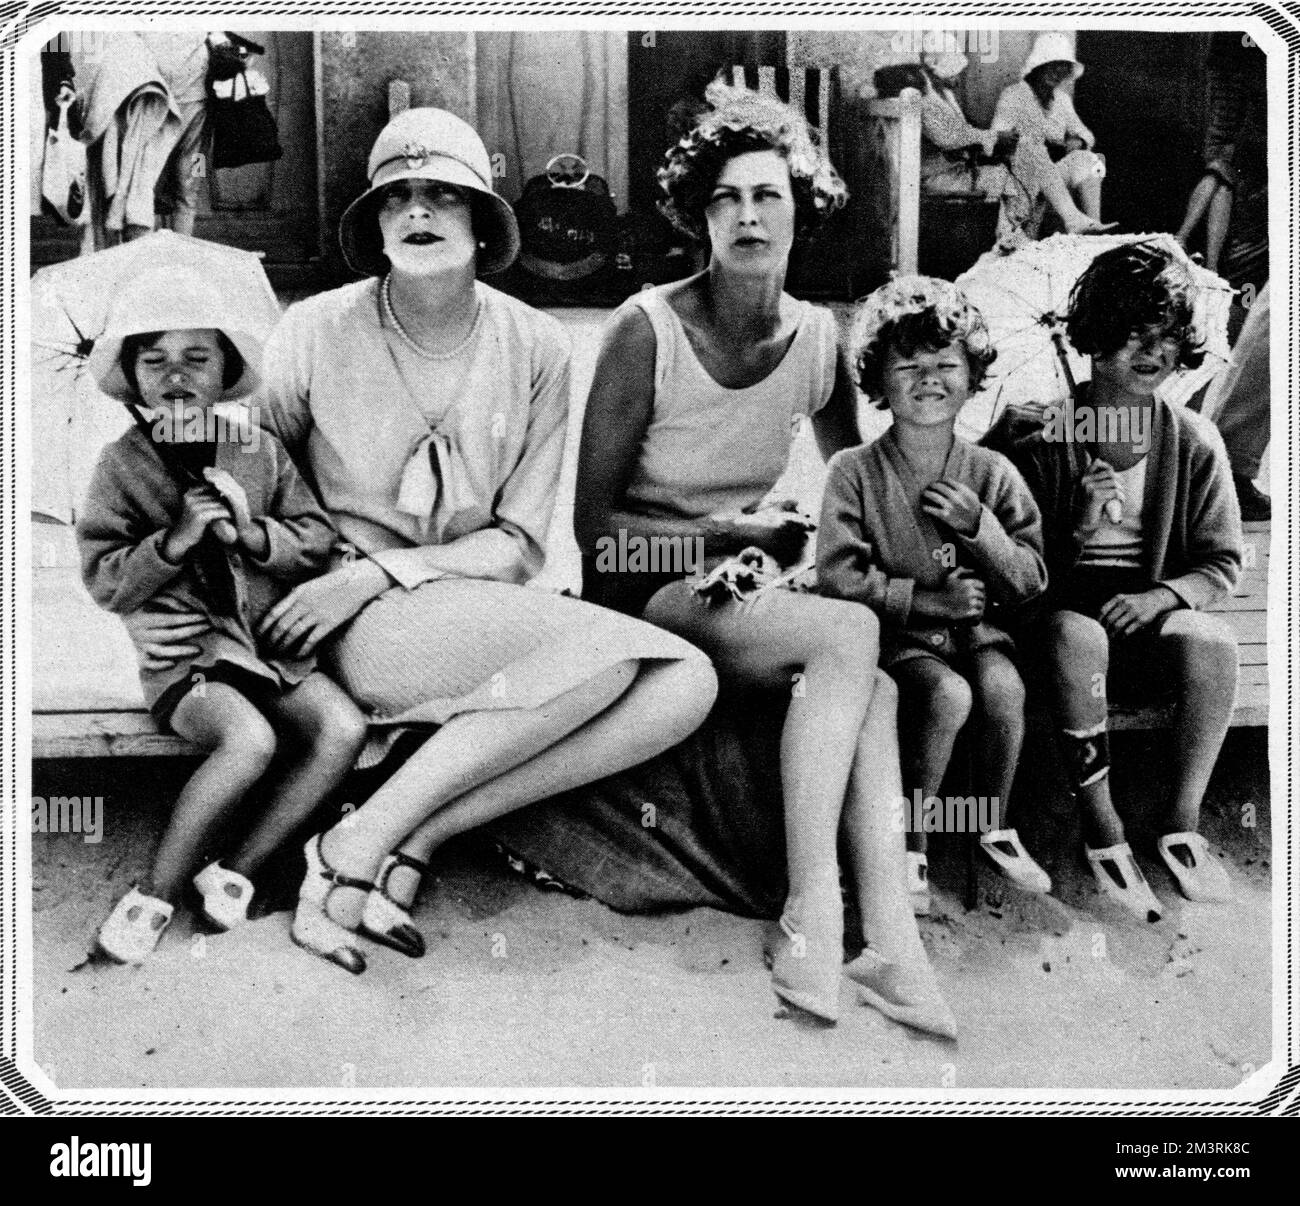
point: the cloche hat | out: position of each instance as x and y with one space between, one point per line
164 300
1051 48
429 144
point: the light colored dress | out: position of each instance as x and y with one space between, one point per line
1018 109
470 444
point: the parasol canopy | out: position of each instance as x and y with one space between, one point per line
70 304
1023 298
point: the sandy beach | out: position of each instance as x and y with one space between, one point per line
531 989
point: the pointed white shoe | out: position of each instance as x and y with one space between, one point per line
1119 877
1200 875
1007 853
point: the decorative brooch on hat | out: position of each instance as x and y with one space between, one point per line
415 154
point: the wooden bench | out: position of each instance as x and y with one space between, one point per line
86 703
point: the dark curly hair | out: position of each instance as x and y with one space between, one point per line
737 122
232 363
1129 290
913 314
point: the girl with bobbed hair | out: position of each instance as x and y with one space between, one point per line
700 388
1140 536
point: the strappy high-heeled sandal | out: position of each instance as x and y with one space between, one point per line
1119 877
385 920
226 896
313 928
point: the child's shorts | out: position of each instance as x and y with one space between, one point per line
1138 672
259 691
952 646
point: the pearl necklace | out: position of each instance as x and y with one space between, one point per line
386 301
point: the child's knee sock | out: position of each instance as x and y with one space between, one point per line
1087 755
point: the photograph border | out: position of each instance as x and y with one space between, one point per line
1271 1091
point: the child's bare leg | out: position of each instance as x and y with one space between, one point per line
1078 653
328 731
241 744
999 726
1203 658
933 704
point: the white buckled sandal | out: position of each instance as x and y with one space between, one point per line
133 928
226 896
1004 849
1200 875
1119 877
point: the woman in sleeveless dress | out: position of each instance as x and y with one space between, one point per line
698 389
429 412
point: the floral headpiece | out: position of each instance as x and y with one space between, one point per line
741 111
904 295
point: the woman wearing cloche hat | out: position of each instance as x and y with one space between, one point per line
430 411
1042 112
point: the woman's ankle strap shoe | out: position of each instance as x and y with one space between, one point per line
384 920
313 928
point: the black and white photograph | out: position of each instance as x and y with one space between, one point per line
711 560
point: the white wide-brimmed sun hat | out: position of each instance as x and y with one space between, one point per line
1051 48
165 300
430 144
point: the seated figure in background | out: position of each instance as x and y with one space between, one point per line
958 157
1042 113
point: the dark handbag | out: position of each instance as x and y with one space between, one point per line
243 130
229 58
567 222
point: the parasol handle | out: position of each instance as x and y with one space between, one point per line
180 472
1114 508
184 478
1058 342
